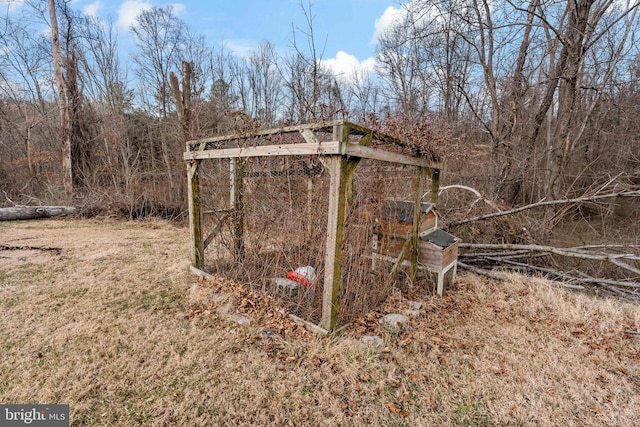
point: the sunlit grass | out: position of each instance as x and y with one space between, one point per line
116 327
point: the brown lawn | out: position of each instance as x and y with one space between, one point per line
116 327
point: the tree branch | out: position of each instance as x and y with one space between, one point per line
592 198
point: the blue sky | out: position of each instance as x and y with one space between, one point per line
345 28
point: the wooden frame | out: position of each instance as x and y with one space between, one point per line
340 157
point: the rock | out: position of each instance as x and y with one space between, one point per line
393 322
268 333
287 287
412 313
415 305
240 319
373 340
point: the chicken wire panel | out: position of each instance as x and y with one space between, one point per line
285 202
284 216
364 284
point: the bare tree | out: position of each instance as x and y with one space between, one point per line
266 84
64 104
160 37
313 91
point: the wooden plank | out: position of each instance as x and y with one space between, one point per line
431 256
357 150
309 136
199 272
323 148
311 327
402 229
391 245
216 230
265 132
450 254
195 217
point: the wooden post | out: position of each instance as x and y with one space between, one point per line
435 186
237 208
417 216
337 166
195 217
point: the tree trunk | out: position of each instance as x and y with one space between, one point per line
63 105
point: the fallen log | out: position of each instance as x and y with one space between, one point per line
35 212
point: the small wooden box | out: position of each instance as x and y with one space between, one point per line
396 219
395 224
438 252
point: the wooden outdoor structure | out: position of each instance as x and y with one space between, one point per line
437 249
339 157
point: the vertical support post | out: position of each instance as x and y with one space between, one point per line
337 166
236 173
417 217
435 186
195 217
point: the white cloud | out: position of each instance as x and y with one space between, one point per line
179 8
93 8
240 48
390 17
11 5
348 67
130 9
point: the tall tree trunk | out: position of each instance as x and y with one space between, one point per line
63 105
574 51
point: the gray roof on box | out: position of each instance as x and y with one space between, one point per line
439 237
402 210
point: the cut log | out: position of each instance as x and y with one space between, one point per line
35 212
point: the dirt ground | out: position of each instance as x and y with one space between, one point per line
104 316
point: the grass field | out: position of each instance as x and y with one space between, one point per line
115 326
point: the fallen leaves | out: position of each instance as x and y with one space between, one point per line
396 410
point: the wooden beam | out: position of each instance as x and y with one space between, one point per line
216 230
337 166
309 136
399 261
195 216
357 150
324 148
266 132
311 327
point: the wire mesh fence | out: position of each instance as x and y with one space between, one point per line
266 216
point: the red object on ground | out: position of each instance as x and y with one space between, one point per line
297 277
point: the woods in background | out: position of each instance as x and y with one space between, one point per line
527 100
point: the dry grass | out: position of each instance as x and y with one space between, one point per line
117 328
